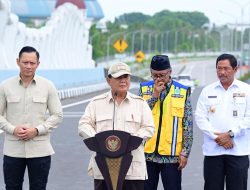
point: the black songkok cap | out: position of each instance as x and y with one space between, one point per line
160 62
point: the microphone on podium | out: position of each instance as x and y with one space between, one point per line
114 96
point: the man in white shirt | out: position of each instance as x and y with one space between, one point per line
223 115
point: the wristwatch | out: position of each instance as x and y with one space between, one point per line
231 134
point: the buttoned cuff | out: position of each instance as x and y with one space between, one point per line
153 99
183 153
212 135
41 130
239 132
10 129
85 135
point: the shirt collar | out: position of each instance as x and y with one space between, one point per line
34 80
110 97
234 83
168 86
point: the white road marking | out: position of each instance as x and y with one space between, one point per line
76 103
72 114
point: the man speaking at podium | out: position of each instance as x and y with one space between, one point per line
119 110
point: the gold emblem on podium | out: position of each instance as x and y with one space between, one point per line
113 143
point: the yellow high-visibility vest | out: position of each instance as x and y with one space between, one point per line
168 117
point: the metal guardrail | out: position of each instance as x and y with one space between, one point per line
78 91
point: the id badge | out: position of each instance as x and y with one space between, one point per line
235 113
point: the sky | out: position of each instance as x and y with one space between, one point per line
218 11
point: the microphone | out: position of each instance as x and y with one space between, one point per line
114 96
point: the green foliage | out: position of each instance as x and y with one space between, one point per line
132 18
195 19
165 31
245 77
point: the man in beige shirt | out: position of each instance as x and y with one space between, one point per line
120 110
24 101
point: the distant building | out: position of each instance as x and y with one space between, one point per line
40 10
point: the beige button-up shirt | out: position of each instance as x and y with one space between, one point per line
133 115
28 105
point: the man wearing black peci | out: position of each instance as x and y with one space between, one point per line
168 150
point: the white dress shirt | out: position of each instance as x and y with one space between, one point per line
220 110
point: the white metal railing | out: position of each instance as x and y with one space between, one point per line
78 91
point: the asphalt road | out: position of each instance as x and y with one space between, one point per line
70 163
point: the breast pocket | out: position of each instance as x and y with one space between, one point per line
39 99
39 104
13 99
104 122
240 105
132 122
212 105
178 105
13 104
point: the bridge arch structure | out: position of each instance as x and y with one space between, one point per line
63 41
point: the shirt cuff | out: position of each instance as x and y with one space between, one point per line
41 130
11 129
212 135
153 99
183 153
239 132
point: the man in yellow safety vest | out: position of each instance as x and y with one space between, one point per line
168 150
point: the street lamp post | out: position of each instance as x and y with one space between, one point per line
149 39
233 33
133 39
149 42
242 7
206 40
162 40
195 35
142 32
156 37
133 42
134 33
142 38
167 32
175 41
242 32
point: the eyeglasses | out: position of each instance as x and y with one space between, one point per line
160 76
